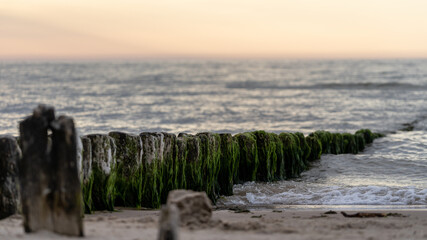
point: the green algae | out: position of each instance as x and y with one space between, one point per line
304 150
360 141
87 194
293 162
210 150
228 165
168 164
337 146
248 156
152 183
280 172
267 157
315 146
369 136
103 171
349 143
129 170
325 139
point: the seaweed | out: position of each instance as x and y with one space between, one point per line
129 170
228 165
248 156
103 171
315 146
211 152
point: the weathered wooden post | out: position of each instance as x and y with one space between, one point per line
67 204
50 186
9 194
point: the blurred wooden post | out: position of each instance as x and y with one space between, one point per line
67 205
50 187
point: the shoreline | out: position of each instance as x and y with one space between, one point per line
256 224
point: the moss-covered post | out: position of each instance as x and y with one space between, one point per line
315 146
292 154
87 180
267 157
10 155
248 163
228 165
104 171
349 143
190 158
337 146
152 158
169 165
210 148
129 169
325 139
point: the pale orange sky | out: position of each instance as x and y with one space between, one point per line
213 28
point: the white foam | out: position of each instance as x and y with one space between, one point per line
336 195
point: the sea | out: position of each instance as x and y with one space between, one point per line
232 96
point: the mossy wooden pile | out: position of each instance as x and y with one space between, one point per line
121 169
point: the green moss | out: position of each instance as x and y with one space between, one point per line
360 140
211 153
248 162
87 194
293 154
279 171
325 139
152 170
337 146
193 172
315 146
128 168
103 171
169 166
305 149
267 157
181 162
228 164
349 143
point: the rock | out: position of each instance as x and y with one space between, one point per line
194 207
50 185
129 169
169 223
10 155
104 171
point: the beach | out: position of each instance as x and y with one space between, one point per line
241 225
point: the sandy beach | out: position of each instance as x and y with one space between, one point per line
236 225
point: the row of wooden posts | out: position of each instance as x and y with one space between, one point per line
119 169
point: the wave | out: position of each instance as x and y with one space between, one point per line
364 86
336 195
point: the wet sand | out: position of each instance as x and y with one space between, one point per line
237 225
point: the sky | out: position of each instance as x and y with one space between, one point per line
213 28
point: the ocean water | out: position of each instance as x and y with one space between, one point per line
244 95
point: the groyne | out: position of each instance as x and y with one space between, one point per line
121 169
